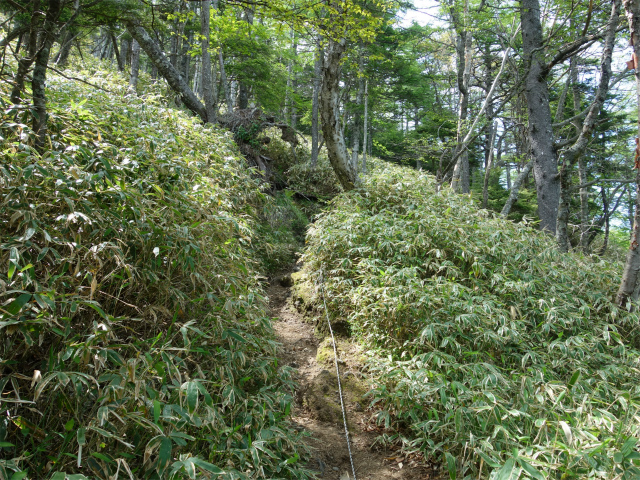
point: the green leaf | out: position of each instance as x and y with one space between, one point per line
6 445
530 469
507 470
574 379
164 454
19 475
157 407
192 396
81 436
14 258
69 425
451 465
488 460
15 306
209 467
102 457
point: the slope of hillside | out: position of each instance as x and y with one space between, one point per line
490 351
135 334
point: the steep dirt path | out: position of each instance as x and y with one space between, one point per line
317 405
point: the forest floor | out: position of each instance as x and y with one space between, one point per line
317 404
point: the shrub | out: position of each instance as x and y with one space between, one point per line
490 349
135 335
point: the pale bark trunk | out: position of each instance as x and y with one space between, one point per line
185 58
461 179
224 83
487 172
365 127
170 74
294 84
357 118
331 131
545 161
632 263
584 205
207 82
513 194
135 64
577 149
317 81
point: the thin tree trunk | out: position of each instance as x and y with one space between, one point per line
135 64
317 81
185 58
461 179
169 73
577 149
65 49
357 118
29 56
365 127
487 171
114 42
13 34
292 73
584 205
207 82
244 91
513 194
225 84
605 208
632 263
40 72
331 131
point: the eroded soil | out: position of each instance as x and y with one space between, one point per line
317 406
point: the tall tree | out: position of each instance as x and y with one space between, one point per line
632 264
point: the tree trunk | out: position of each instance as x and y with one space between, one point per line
461 179
365 126
605 208
29 55
577 149
244 91
632 263
135 64
513 194
40 72
294 85
169 73
185 58
114 42
13 34
487 170
329 98
65 49
545 162
357 118
317 81
224 83
207 82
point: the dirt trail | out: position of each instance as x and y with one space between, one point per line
317 405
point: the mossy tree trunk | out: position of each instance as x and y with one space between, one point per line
329 99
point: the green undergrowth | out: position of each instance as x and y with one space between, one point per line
135 334
492 352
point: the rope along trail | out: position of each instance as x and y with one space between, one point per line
335 357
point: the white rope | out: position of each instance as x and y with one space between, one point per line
335 356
